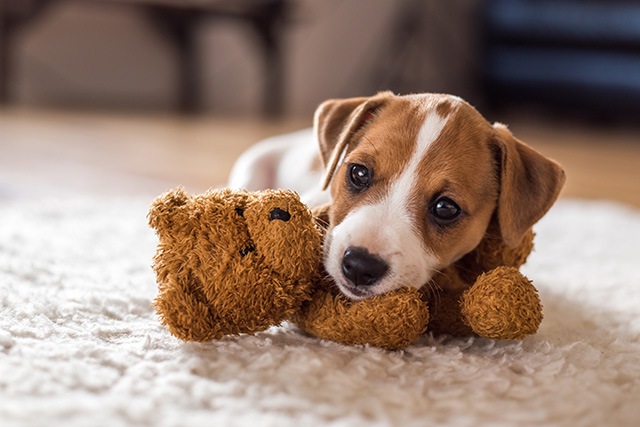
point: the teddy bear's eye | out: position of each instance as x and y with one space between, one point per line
280 214
244 252
240 211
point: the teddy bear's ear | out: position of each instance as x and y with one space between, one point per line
165 206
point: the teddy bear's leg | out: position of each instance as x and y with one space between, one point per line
187 316
502 304
392 321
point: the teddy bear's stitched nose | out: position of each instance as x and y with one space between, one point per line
361 267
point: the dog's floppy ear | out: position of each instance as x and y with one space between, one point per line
336 121
529 184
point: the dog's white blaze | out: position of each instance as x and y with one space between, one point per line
400 190
388 228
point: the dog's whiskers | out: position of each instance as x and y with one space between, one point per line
324 225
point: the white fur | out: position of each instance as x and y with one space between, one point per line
388 228
282 162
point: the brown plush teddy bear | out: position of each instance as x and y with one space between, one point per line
233 262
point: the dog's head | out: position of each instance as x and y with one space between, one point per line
415 181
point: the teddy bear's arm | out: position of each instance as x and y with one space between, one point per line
392 321
502 304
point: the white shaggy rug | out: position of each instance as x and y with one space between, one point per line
80 344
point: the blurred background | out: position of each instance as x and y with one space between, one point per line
135 96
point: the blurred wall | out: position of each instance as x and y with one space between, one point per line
79 54
82 54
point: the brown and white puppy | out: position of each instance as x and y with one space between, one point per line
413 181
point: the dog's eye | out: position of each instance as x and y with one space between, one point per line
359 176
445 210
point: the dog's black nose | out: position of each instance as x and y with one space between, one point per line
361 267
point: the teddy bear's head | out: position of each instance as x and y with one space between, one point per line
232 262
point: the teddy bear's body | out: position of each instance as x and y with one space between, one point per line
239 262
220 270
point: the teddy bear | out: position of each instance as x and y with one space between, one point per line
237 262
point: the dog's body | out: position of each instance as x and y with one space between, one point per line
290 161
413 181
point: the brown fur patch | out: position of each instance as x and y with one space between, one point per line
443 109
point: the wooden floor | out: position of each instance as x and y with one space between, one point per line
53 152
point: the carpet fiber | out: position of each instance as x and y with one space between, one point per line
80 343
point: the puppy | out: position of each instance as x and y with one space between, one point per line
414 182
